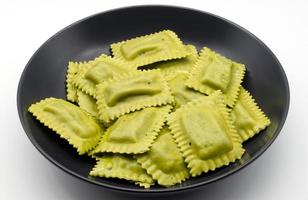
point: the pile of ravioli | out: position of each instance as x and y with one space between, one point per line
156 111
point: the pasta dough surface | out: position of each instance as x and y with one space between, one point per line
72 71
182 94
122 167
134 132
156 111
248 118
131 92
164 160
69 121
204 132
98 71
140 51
214 72
182 64
87 102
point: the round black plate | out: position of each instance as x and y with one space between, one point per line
44 76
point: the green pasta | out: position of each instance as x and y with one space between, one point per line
156 112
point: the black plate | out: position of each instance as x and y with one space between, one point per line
44 76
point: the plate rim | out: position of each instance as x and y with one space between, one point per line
158 190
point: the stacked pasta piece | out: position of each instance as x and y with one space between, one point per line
157 111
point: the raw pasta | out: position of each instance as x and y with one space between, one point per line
214 72
140 51
155 112
135 132
171 66
69 121
182 94
205 134
131 92
87 102
164 160
72 70
122 167
98 71
248 118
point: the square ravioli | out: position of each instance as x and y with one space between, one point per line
121 167
205 134
144 50
73 71
130 92
97 71
182 94
248 118
69 121
156 111
171 66
164 161
214 72
134 132
87 103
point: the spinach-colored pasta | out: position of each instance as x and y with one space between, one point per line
72 71
148 49
122 167
134 132
205 134
130 92
164 160
69 121
248 118
182 64
87 102
97 71
182 94
214 72
156 112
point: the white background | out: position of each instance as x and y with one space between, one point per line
280 173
